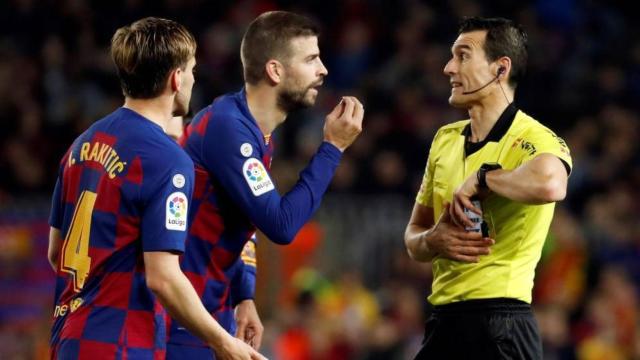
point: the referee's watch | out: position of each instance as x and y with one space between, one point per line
482 173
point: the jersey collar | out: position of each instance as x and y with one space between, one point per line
241 98
248 119
498 130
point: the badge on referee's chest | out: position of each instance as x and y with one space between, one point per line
479 225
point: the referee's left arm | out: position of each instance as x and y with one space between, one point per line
541 180
538 181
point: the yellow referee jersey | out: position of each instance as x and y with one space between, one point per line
518 229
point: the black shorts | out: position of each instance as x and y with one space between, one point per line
482 329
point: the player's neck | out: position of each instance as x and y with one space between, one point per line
484 116
263 105
157 110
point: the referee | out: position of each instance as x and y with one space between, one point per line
485 204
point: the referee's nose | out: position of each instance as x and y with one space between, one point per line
450 68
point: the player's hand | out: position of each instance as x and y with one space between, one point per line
454 242
462 199
250 327
236 349
343 125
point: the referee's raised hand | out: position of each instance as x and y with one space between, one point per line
454 242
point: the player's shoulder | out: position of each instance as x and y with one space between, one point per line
166 152
168 161
157 150
105 129
104 124
526 125
229 119
455 126
453 129
227 111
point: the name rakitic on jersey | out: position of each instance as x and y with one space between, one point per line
103 154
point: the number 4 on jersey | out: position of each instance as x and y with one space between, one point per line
75 250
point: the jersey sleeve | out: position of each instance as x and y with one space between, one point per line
230 152
57 202
243 284
540 140
425 194
55 216
166 197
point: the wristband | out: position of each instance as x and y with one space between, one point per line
482 173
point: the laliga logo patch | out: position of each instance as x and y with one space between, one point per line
255 171
176 212
257 177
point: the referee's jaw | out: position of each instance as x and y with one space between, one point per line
458 103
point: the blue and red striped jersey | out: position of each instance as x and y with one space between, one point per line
233 195
123 188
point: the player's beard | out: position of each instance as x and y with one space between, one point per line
294 97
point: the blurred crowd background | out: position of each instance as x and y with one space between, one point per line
346 288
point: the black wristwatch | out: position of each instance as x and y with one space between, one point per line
482 173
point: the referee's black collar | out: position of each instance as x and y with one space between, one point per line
498 130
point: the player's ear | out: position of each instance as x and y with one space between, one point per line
175 79
274 70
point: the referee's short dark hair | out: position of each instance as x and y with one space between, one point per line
504 38
146 52
268 37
